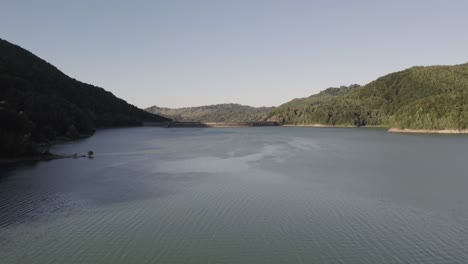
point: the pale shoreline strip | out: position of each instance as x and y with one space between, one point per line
331 126
315 125
428 131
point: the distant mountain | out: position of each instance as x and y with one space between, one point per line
214 113
434 97
39 103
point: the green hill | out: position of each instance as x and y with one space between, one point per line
322 97
39 103
434 97
214 113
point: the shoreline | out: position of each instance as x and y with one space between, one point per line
211 124
427 131
45 157
317 125
32 158
246 125
332 126
60 140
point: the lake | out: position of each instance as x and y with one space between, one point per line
241 195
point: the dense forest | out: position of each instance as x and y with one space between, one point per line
39 104
434 97
214 113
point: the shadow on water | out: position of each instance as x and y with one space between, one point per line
41 191
8 169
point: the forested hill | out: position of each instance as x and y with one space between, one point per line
214 113
38 103
434 97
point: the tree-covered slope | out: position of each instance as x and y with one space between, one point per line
39 103
439 112
397 99
214 113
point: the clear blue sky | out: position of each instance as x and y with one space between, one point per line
195 52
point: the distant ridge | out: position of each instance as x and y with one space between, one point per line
214 113
418 98
39 103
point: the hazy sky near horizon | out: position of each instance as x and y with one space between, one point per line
186 53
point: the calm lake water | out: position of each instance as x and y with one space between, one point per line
241 195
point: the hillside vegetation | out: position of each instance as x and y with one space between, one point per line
214 113
38 103
434 97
